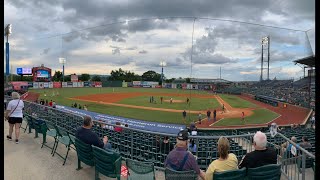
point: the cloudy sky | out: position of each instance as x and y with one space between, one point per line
98 36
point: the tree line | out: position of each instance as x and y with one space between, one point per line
115 75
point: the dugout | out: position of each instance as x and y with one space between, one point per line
269 100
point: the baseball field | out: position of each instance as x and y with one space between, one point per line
137 103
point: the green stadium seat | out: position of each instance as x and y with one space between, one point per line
64 138
84 153
51 131
267 172
107 162
171 174
237 174
139 170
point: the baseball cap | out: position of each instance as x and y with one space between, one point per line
183 135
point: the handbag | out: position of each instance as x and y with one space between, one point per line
7 116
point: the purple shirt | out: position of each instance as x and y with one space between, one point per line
176 156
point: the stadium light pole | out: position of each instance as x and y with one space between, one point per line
162 63
62 61
7 32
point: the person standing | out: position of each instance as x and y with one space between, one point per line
208 115
187 100
222 109
161 99
171 100
150 99
50 103
242 116
14 115
199 117
214 115
85 108
184 114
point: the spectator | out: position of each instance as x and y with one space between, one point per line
305 143
86 135
54 105
262 155
117 128
14 115
75 105
46 103
126 125
227 161
180 159
85 108
313 120
80 106
166 146
50 103
192 147
156 143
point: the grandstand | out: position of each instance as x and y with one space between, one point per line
141 145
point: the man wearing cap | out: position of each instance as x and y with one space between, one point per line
180 159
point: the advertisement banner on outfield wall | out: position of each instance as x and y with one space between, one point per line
56 84
69 84
184 86
174 86
50 84
41 85
129 84
189 86
35 85
194 86
124 84
80 84
46 85
97 84
64 84
168 85
30 84
17 84
87 84
74 84
136 83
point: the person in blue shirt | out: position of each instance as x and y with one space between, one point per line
86 135
192 147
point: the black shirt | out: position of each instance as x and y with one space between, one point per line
89 137
259 158
184 113
165 148
208 113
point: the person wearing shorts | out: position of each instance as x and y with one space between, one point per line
15 115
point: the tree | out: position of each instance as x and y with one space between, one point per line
187 80
96 78
170 80
121 75
57 76
151 76
84 77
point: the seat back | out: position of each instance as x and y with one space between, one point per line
84 152
266 172
140 170
107 162
230 175
171 174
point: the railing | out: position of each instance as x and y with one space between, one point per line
147 146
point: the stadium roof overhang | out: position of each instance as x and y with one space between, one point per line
309 61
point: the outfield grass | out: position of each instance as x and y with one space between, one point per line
259 116
196 104
237 102
142 114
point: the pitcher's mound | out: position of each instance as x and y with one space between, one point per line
174 101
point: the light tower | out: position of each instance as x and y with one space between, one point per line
162 64
62 61
7 32
265 42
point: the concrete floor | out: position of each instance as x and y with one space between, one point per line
28 161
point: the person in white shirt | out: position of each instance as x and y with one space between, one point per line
14 115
